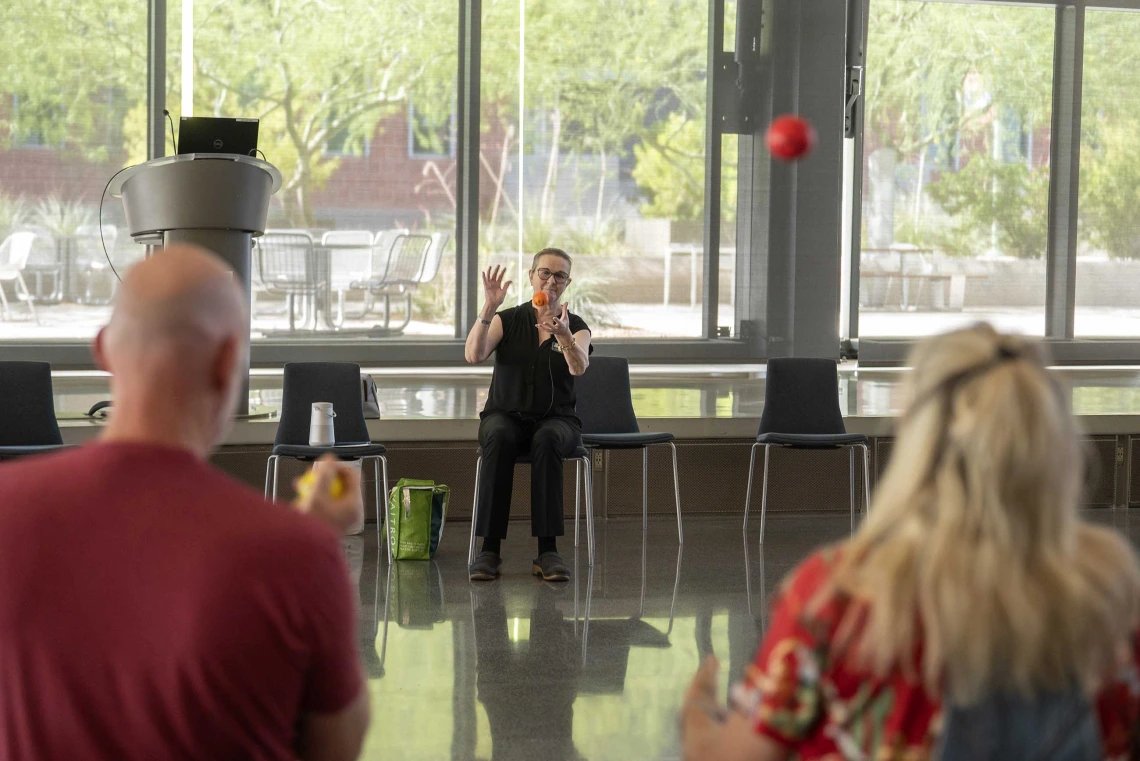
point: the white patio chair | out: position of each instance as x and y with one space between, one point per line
14 252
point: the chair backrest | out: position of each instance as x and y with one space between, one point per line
801 395
308 382
354 238
27 405
409 253
15 250
286 261
1058 726
604 401
382 249
435 256
350 257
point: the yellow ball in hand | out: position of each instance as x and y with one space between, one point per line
306 483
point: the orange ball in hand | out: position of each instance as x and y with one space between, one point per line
539 299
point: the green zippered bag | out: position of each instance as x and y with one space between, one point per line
417 510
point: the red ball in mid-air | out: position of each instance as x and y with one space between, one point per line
790 137
539 299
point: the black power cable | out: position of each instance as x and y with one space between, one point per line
102 199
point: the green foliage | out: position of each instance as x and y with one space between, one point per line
13 212
586 297
62 217
435 301
670 169
987 192
71 72
934 69
1110 190
319 74
605 240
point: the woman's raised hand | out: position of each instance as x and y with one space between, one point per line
493 287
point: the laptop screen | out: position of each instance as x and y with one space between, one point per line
207 134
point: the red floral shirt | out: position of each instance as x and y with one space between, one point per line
827 710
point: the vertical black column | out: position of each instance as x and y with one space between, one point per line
713 118
155 78
1064 172
467 167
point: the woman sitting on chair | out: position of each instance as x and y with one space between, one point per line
539 347
974 614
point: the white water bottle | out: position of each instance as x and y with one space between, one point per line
321 430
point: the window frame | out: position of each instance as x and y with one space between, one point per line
1064 195
709 347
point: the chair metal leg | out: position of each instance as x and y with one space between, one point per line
644 574
276 468
387 598
851 478
866 479
677 494
645 490
269 472
4 311
586 617
577 500
676 586
764 492
474 512
748 493
590 541
27 296
387 528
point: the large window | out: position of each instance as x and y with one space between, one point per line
593 140
1108 253
363 227
958 101
72 112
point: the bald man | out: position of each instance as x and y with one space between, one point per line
151 607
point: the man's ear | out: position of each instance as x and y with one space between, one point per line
226 362
99 351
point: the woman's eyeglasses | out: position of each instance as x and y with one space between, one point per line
559 277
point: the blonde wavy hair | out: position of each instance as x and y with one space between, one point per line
973 553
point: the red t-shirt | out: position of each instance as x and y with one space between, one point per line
822 709
153 608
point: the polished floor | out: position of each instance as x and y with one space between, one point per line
593 669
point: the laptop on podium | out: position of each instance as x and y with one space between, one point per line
207 134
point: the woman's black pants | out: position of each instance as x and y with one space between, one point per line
503 437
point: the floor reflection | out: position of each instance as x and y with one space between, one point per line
521 669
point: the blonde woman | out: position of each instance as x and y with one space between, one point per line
973 576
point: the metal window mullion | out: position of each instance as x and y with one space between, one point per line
155 78
1064 173
467 166
857 15
710 313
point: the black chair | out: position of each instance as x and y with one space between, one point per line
338 383
801 411
580 456
27 409
605 407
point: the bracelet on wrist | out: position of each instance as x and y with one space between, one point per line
485 322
